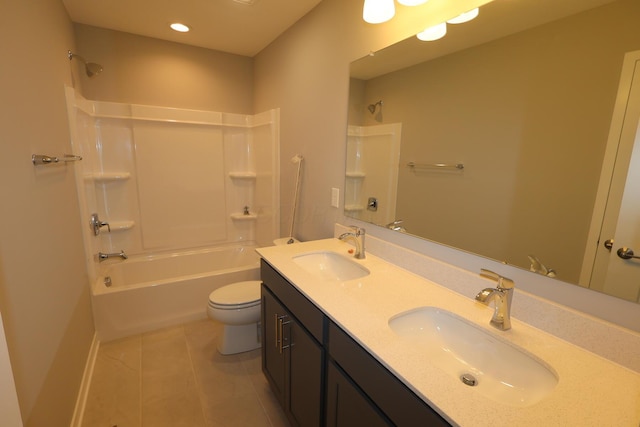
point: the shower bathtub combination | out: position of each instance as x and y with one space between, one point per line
149 292
187 195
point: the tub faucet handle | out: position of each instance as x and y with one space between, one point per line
96 224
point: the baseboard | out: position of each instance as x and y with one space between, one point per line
81 401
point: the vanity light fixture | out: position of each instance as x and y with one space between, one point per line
437 32
465 17
378 11
433 33
181 28
412 2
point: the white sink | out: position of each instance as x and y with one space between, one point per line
330 266
500 370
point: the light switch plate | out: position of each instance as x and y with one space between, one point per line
335 197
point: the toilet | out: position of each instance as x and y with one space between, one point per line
237 307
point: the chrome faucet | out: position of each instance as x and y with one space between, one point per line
102 256
501 296
358 238
396 226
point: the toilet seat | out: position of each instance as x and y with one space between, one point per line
236 296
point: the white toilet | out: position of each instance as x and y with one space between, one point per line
237 307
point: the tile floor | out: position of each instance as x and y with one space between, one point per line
174 378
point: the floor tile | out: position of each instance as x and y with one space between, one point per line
114 393
175 377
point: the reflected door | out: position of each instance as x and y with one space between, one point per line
616 269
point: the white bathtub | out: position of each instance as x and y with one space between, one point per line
153 292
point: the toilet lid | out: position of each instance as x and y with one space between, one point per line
240 293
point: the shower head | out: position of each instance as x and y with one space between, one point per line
372 107
91 68
297 158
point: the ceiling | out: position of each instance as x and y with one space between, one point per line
224 25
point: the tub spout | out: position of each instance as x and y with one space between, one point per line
103 256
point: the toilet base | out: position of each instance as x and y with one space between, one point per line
239 338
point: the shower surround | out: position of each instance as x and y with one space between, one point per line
172 184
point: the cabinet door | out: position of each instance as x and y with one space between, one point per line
347 405
305 358
399 404
273 360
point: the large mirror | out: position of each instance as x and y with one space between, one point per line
492 140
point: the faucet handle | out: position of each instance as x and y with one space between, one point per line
503 282
358 231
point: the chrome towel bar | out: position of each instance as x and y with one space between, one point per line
41 159
436 165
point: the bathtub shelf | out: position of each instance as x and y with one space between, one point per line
243 217
108 177
242 175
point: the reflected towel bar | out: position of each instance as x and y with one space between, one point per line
41 159
436 165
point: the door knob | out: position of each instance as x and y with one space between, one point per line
626 253
608 244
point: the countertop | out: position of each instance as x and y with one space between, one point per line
591 390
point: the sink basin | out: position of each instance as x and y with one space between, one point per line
330 266
475 357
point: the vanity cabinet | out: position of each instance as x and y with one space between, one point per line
292 351
320 375
382 392
347 405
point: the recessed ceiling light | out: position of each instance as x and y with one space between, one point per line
247 2
181 28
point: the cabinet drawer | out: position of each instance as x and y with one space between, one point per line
393 398
297 304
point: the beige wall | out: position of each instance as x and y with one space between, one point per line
525 117
44 297
142 70
305 73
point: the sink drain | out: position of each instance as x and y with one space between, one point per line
469 380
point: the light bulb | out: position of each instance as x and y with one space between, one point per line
412 2
378 11
464 17
181 28
433 33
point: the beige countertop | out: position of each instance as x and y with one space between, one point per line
591 391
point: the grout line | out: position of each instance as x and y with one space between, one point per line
244 363
196 379
140 397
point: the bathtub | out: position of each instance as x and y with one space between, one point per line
145 293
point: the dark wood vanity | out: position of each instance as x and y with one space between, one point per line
320 375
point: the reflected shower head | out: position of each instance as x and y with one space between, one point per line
91 68
372 107
297 158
